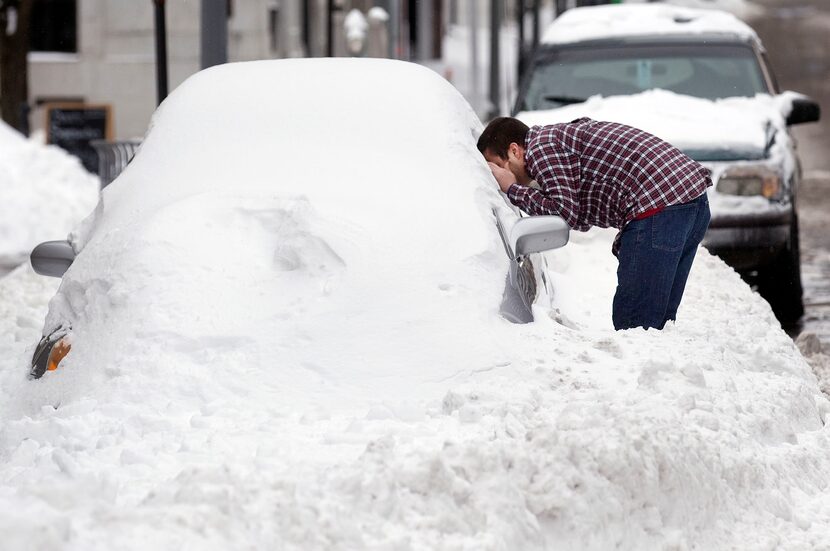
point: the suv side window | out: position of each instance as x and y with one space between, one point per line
767 69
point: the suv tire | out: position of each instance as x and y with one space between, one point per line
780 282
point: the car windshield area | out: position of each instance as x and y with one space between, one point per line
711 71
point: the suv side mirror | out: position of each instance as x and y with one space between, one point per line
804 110
52 258
535 234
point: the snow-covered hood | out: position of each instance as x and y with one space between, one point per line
721 130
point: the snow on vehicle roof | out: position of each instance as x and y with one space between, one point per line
642 20
688 122
345 132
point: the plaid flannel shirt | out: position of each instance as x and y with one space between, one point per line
604 174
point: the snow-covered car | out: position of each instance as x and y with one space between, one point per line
699 79
255 200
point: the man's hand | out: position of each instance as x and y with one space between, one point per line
503 176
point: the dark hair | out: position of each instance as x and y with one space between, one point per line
500 133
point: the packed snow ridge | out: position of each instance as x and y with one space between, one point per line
45 193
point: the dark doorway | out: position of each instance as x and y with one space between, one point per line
54 26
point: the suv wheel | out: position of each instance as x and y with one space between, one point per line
780 282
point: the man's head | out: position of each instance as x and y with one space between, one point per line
503 143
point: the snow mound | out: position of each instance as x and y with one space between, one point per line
710 434
46 192
330 256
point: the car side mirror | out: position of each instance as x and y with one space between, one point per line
52 258
804 110
535 234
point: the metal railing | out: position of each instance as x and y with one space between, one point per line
113 157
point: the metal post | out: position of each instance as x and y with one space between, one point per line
537 25
424 15
161 51
453 12
394 28
25 109
330 29
306 28
520 20
472 6
495 24
214 33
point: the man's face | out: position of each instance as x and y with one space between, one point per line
515 162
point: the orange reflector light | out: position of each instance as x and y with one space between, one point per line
58 352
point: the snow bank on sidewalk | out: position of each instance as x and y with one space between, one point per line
44 193
709 434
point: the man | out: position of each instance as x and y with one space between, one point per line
611 175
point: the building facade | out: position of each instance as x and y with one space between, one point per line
103 52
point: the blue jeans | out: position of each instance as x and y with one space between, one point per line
655 255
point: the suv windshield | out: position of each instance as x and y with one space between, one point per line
711 71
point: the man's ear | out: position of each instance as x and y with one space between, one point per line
516 150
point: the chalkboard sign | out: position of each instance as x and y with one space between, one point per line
72 126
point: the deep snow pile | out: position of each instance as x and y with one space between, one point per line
273 362
709 434
44 193
308 243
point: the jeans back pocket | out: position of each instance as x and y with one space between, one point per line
670 227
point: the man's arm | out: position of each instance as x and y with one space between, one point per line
503 177
556 170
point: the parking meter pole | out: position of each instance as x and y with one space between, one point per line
214 33
161 51
495 66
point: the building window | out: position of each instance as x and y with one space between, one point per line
54 26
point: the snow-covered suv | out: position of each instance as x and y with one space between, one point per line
699 79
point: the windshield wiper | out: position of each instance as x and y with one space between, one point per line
567 100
